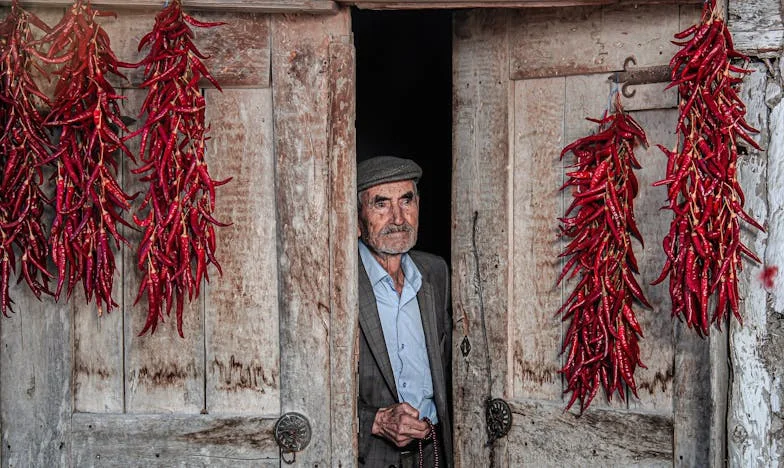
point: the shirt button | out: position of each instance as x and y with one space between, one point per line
405 384
403 346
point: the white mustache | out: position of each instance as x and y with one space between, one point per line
393 229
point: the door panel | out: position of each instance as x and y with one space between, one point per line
536 176
509 129
275 333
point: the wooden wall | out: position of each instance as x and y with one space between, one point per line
756 385
82 390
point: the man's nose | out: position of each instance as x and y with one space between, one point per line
397 214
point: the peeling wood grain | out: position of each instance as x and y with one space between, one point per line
772 347
163 371
481 182
774 254
546 436
750 437
583 40
35 366
344 306
536 334
757 27
300 79
165 440
241 307
238 52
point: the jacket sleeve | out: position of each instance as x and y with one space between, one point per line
367 414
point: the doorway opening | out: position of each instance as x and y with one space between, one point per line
404 105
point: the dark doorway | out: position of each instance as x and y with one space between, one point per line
404 105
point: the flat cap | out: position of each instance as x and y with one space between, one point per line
384 169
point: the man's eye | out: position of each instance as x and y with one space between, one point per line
380 204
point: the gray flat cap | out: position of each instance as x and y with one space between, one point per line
384 169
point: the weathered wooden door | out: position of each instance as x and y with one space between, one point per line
274 334
524 82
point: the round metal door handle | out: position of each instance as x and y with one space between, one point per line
499 418
292 433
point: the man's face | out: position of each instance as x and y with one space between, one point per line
389 217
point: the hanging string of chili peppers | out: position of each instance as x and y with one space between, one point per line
703 245
602 338
24 146
86 112
179 229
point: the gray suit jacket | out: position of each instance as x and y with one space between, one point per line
376 381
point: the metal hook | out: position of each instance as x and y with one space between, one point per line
630 60
635 76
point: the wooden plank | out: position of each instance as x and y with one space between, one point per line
692 403
433 4
300 79
689 15
754 392
35 395
535 335
774 254
98 368
238 51
164 373
257 6
655 382
544 435
241 307
585 96
576 41
165 440
757 27
480 236
344 305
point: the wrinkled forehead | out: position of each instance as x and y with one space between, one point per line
392 190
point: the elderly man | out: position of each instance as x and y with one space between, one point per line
405 325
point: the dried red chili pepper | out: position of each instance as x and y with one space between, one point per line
703 245
601 342
85 110
179 237
24 147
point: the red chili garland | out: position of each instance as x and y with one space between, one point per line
88 197
603 332
24 146
179 237
703 246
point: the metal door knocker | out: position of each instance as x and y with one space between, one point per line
499 419
292 434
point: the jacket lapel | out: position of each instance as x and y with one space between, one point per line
427 311
371 327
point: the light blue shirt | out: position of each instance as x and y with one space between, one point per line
403 332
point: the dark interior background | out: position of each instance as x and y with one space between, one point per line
404 105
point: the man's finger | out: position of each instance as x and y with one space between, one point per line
408 409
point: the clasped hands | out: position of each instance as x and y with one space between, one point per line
400 424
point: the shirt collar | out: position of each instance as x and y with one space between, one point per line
377 273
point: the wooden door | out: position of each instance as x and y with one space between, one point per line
524 82
274 334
